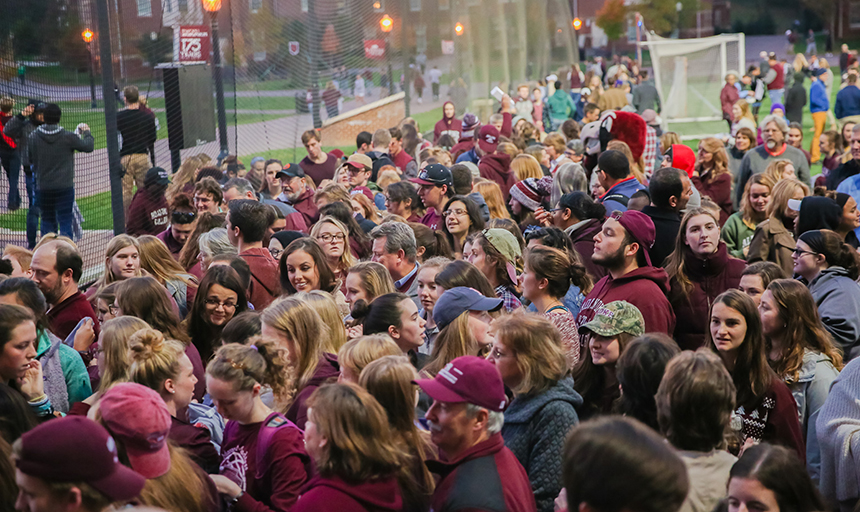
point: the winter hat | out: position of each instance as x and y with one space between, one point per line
816 212
530 193
777 106
470 122
626 127
681 157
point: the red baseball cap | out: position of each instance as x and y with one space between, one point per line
468 379
76 449
488 138
139 419
640 227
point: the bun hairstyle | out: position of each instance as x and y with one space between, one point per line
260 362
555 266
153 359
836 252
382 313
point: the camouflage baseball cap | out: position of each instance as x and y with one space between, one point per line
614 318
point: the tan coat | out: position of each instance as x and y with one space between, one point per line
772 241
613 99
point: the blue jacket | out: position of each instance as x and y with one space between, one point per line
617 196
468 156
848 102
818 101
534 430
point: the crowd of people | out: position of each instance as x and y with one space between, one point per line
561 309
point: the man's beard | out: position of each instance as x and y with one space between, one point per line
293 196
614 260
53 295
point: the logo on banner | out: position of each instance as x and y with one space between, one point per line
294 47
194 43
374 49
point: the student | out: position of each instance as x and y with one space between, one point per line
527 352
462 218
700 269
757 276
617 463
147 213
802 354
402 199
298 329
139 421
394 314
71 464
578 277
773 239
639 371
830 268
695 401
318 164
581 218
391 380
366 281
771 476
739 229
608 334
765 407
161 365
183 220
497 253
357 353
435 186
303 268
18 336
122 261
428 294
356 460
247 221
156 261
219 299
263 461
333 237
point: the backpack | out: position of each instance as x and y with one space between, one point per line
268 429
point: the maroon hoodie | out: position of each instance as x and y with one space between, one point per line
464 145
447 124
710 277
327 371
646 288
497 167
583 242
334 494
305 205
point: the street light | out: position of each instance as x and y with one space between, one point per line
577 23
386 24
87 35
458 29
212 7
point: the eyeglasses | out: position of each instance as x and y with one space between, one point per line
355 172
459 212
214 303
276 253
328 238
800 252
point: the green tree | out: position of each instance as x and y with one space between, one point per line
156 50
658 15
610 18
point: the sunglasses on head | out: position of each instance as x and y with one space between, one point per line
183 217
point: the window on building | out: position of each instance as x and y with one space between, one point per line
144 8
256 5
444 5
183 5
854 14
414 5
304 5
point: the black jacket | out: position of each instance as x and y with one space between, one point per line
842 173
795 100
666 225
137 129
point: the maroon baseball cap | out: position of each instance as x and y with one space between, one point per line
139 419
468 379
76 449
640 227
488 138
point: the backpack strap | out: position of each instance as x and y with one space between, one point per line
267 432
557 307
617 197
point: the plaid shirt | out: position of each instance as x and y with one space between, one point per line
509 298
650 153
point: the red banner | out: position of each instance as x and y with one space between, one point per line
374 49
194 43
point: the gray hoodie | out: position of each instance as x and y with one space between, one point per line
838 300
52 155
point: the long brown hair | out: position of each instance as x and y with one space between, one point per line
156 259
557 268
715 147
453 341
390 380
538 348
204 335
752 375
115 336
304 327
116 244
492 194
360 446
780 194
803 329
748 212
144 298
676 264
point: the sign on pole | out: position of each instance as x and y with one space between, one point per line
294 48
374 49
194 43
447 47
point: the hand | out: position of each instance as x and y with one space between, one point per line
507 103
85 335
28 110
749 443
32 383
226 486
84 127
354 332
544 217
561 502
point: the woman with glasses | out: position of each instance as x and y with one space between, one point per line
333 237
281 240
830 268
462 218
527 352
105 307
219 298
402 199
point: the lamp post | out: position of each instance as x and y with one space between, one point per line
576 24
87 35
678 7
213 7
386 24
407 76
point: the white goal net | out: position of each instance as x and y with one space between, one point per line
689 74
